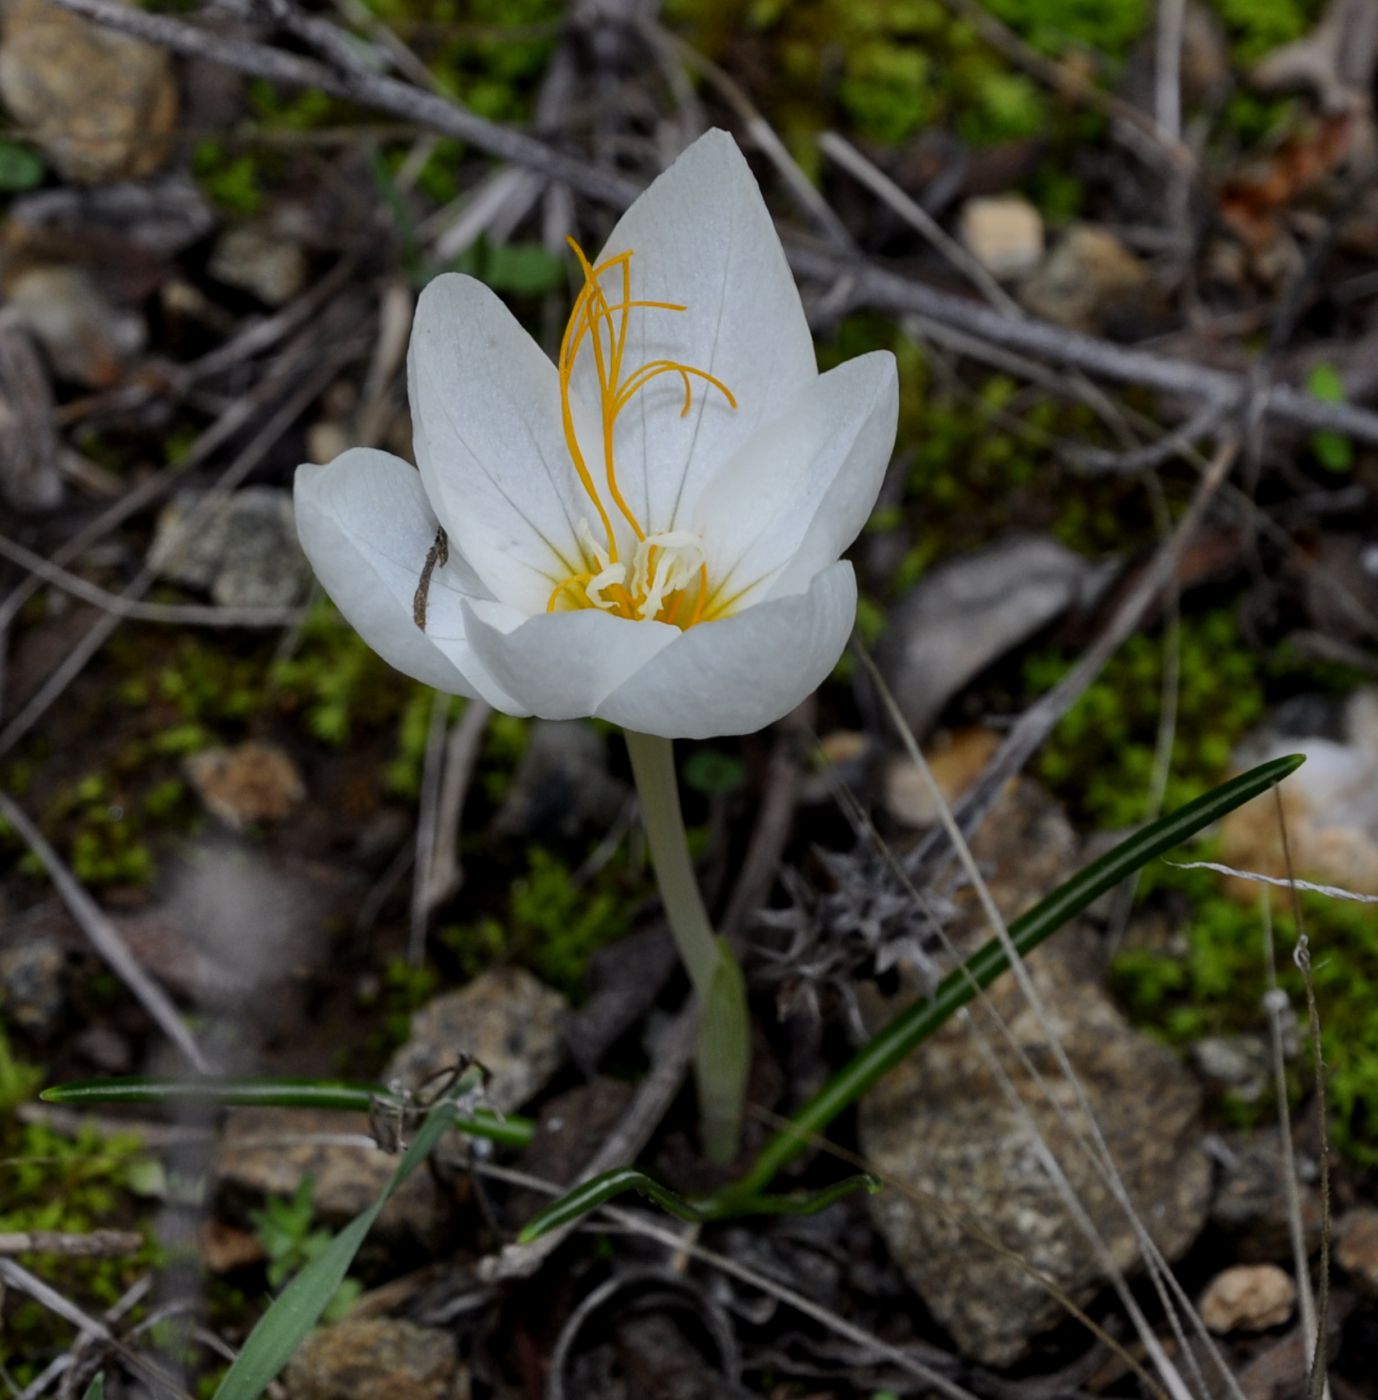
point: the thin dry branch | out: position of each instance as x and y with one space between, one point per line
353 85
1039 720
92 1244
106 938
184 615
872 285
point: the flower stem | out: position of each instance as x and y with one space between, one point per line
724 1037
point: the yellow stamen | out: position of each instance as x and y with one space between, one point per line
651 589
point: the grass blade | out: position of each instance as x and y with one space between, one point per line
911 1027
298 1307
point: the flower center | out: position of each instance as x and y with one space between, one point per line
667 580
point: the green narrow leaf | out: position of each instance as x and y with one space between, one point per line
218 1091
298 1307
96 1390
914 1025
598 1190
21 168
591 1194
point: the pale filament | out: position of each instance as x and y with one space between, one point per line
667 565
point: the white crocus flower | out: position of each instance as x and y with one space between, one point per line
647 531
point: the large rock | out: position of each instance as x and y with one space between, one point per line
940 1125
101 104
375 1358
969 612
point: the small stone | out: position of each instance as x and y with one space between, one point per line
1004 233
1251 1203
374 1358
86 338
243 549
256 259
1248 1298
30 479
105 1048
326 439
246 784
1356 1247
1239 1065
955 767
505 1019
31 993
1087 281
225 1248
102 105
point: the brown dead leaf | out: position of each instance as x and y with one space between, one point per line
1253 201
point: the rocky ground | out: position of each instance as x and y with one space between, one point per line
1125 262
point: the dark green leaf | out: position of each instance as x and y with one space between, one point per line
21 168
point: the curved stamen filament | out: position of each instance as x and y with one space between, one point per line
656 586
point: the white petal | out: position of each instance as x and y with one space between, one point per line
561 665
794 497
744 672
485 404
366 527
701 237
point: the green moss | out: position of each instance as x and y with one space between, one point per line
884 71
291 1239
1100 759
50 1182
205 682
553 925
334 683
1055 26
234 180
1256 27
1217 986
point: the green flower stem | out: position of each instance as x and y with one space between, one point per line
724 1039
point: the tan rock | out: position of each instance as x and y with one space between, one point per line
1248 1298
247 784
1004 233
374 1358
955 766
101 104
